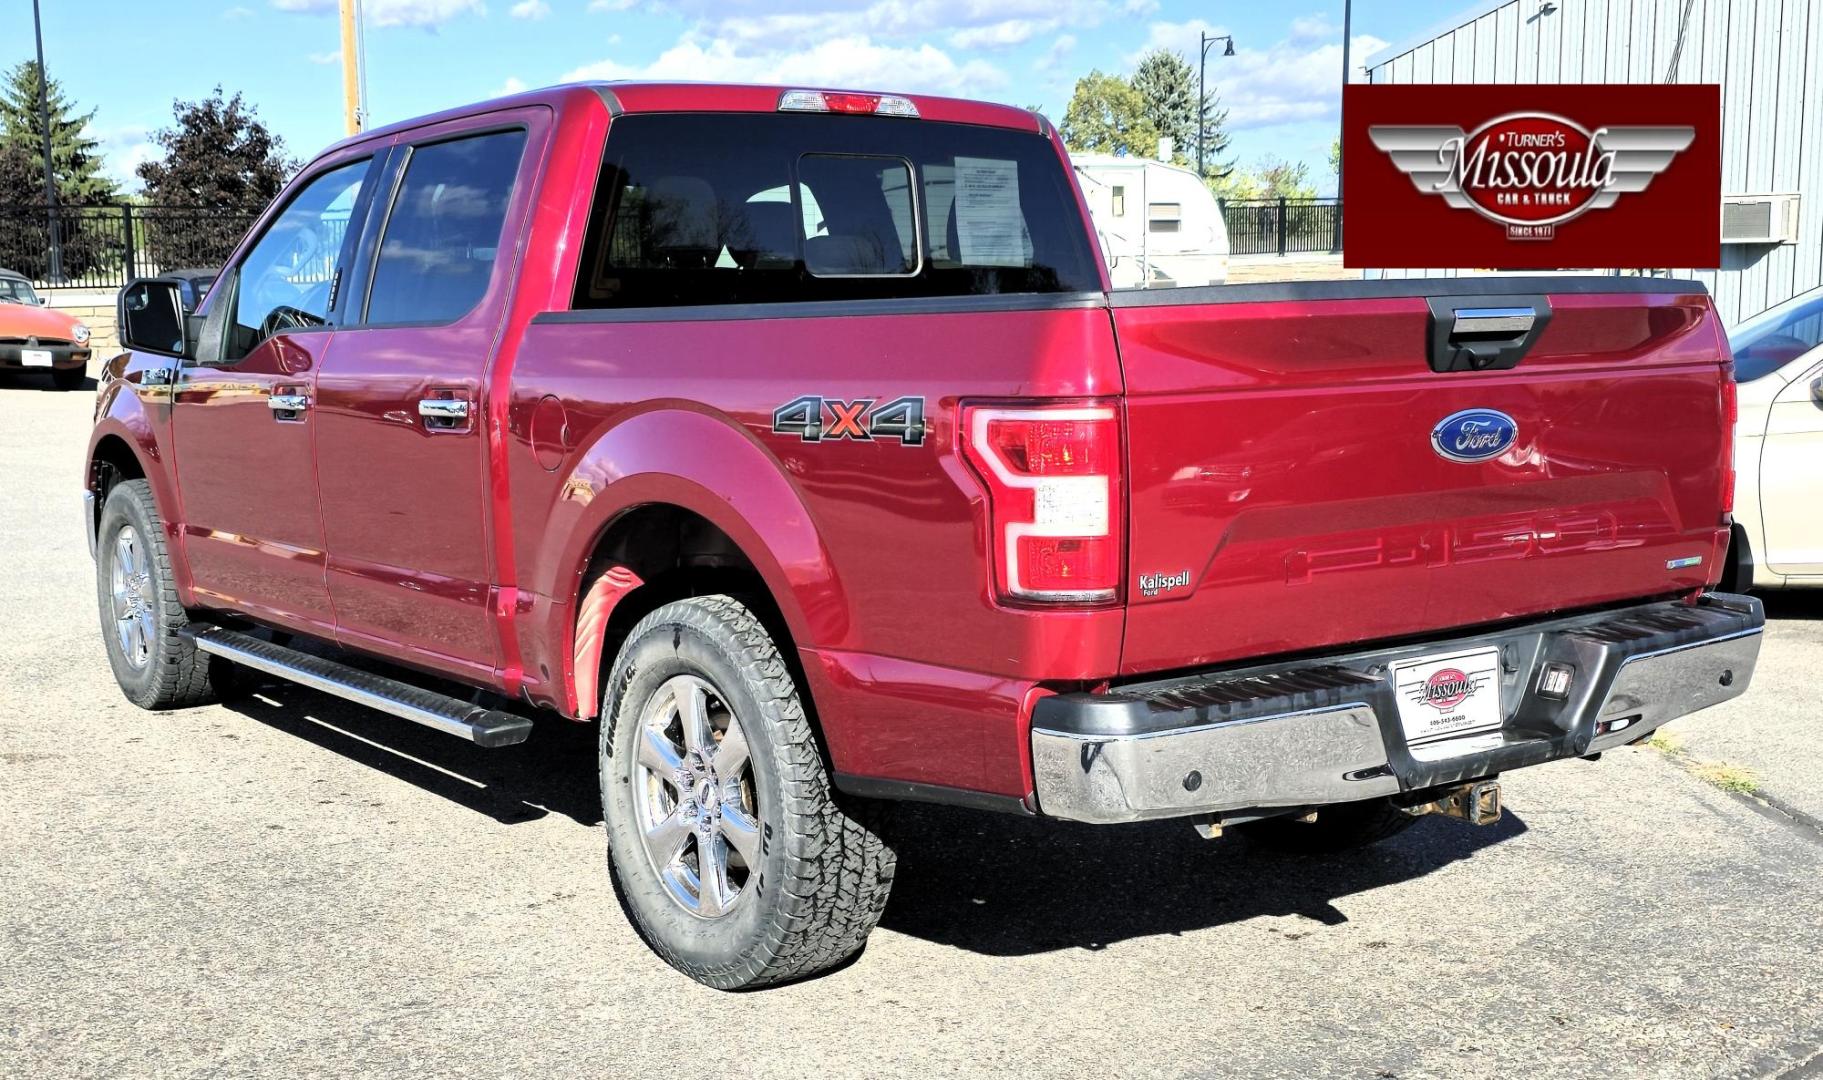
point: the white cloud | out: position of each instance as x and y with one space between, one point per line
237 13
1296 79
850 61
513 85
529 9
1055 54
122 151
425 13
613 5
333 56
1139 7
1000 35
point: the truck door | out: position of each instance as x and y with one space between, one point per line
402 455
1791 477
242 416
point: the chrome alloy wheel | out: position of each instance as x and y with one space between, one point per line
693 788
134 624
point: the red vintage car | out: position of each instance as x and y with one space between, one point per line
34 336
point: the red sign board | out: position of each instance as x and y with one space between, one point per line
1542 177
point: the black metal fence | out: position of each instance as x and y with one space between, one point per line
101 247
1282 226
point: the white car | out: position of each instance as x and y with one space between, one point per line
1778 501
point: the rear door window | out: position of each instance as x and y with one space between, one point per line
442 237
724 209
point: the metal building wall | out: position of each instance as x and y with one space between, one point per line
1766 54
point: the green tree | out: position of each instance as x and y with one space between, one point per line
1335 160
217 155
75 157
84 241
1167 83
1271 178
1107 115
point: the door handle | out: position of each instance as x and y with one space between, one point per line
443 409
292 404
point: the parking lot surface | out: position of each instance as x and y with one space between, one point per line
295 886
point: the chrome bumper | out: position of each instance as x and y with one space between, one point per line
1327 731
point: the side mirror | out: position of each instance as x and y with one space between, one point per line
44 301
151 317
1816 391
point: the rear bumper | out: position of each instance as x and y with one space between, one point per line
1327 730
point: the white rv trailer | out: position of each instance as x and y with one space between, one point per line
1159 225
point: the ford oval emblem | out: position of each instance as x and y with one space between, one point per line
1474 435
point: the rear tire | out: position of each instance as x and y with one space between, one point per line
708 761
1344 827
69 378
140 615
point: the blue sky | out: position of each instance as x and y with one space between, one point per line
113 56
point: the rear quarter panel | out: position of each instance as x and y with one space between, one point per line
875 550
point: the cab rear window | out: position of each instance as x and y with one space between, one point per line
746 209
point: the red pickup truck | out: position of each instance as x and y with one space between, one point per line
798 436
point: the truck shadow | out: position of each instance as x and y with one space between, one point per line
552 773
996 884
1010 886
1806 604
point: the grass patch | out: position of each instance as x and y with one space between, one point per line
1665 741
1732 778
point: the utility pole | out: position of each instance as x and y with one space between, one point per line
354 109
1204 41
55 270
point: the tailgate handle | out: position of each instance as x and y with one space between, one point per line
1493 320
1484 333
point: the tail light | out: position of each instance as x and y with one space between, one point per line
1052 475
1731 416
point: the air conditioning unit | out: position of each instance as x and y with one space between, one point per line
1760 219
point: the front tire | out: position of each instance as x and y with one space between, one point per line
140 615
725 840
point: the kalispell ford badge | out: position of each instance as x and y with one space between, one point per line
1153 584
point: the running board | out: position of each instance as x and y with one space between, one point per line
484 727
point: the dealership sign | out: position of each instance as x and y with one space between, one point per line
1532 177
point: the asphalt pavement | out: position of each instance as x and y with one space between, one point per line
293 886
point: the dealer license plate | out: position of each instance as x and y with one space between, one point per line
34 358
1449 704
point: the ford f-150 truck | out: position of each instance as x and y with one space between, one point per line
798 437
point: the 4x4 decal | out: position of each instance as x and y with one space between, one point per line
813 418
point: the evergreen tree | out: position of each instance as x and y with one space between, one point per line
75 158
1167 83
1106 115
85 241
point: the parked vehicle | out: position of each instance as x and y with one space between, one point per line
33 335
1158 224
1778 530
797 435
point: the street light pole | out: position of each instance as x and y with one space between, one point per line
50 181
1204 40
1347 13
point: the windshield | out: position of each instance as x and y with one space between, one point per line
16 291
1776 337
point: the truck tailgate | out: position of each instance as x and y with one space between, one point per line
1286 493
